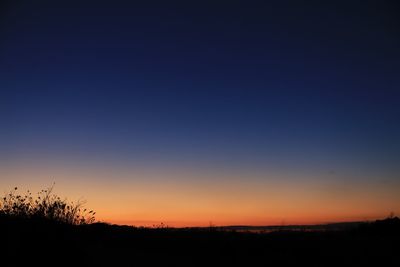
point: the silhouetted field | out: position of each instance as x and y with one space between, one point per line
25 242
48 231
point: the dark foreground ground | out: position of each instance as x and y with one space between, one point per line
28 243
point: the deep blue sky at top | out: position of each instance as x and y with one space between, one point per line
234 83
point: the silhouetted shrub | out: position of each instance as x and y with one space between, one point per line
46 205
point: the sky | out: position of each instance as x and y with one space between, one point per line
197 112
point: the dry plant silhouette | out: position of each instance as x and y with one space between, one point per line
45 206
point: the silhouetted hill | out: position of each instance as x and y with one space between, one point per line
25 242
318 227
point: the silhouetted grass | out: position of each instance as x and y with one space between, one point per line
45 205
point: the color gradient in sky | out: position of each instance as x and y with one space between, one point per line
230 113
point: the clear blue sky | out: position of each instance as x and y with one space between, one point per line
238 86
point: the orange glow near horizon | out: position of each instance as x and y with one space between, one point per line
179 199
